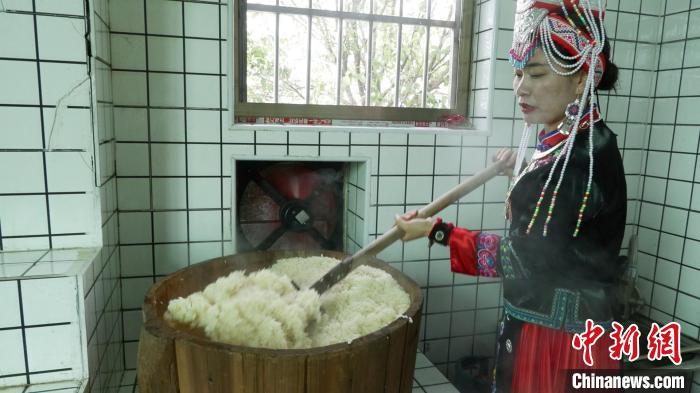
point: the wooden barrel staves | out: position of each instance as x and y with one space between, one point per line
183 360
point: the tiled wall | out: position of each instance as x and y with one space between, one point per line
55 191
41 321
106 330
47 171
669 221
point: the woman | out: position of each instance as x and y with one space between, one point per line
559 261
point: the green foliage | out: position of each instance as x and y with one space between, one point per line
353 63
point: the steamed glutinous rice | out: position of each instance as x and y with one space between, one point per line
263 309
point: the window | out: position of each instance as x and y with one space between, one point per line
397 60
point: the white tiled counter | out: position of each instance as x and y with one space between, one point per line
56 387
427 379
43 323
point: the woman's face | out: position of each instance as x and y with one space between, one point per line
542 93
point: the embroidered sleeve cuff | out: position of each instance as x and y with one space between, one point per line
487 254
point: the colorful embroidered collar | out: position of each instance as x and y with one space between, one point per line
548 139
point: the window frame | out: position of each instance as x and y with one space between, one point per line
347 112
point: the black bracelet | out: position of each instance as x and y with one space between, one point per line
440 233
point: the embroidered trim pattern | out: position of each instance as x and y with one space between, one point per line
564 313
506 263
487 254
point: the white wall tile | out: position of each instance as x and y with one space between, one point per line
671 55
61 38
204 193
53 347
205 225
23 215
131 124
692 57
420 160
170 226
51 300
167 159
667 273
687 110
73 214
199 91
128 51
134 291
418 271
136 260
689 277
303 151
678 194
464 297
688 308
693 27
198 54
166 90
438 326
203 160
21 172
132 159
419 189
129 88
21 28
18 82
160 14
686 138
663 299
12 361
21 128
671 247
335 151
391 189
9 303
667 83
677 6
658 164
271 150
167 125
169 193
67 82
392 160
134 228
675 221
69 171
170 257
127 16
165 54
675 27
201 20
200 252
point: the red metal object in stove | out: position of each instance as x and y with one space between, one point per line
290 205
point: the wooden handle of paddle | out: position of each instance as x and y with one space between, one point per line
436 206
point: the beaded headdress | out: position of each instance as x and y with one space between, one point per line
546 24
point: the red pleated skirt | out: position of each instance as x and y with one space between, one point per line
544 355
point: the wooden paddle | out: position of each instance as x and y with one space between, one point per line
342 269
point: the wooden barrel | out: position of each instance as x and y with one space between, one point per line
184 360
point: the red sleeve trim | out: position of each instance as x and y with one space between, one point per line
463 244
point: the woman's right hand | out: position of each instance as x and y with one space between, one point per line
412 227
507 155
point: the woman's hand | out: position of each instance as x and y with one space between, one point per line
412 227
507 155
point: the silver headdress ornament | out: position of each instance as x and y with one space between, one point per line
549 24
